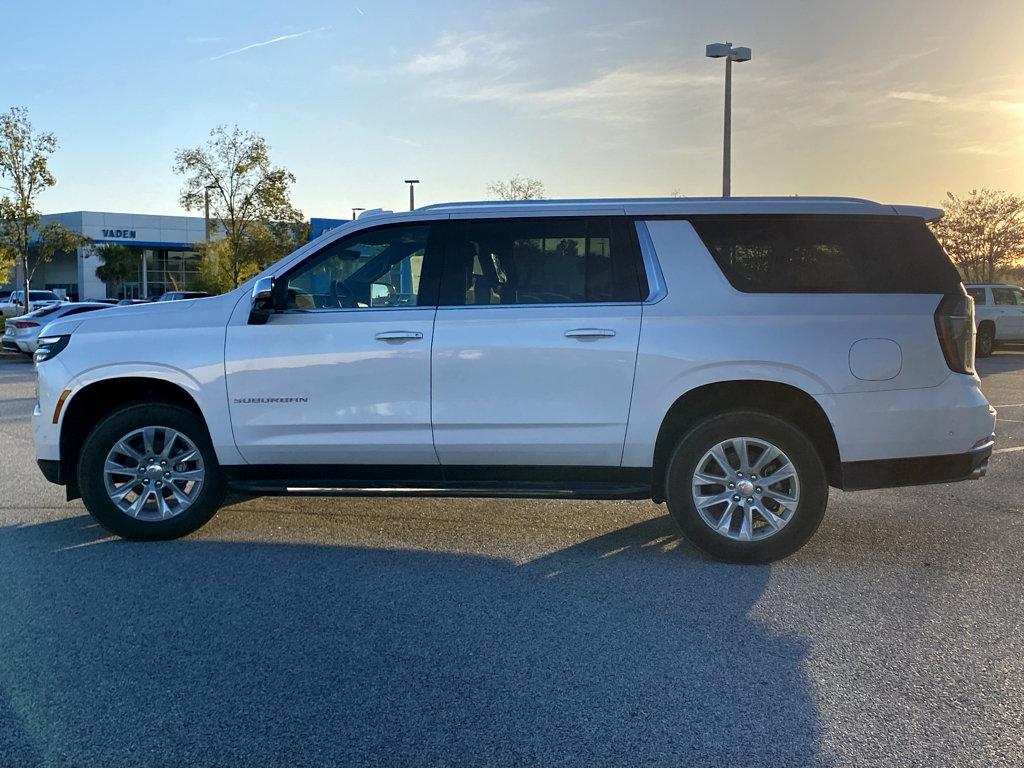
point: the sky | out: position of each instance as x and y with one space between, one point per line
898 101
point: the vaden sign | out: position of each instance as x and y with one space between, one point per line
119 233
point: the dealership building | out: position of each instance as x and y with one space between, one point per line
166 247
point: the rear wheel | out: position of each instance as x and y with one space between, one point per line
148 471
986 341
745 486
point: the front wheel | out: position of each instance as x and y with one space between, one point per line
745 486
148 471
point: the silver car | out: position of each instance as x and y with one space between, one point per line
21 334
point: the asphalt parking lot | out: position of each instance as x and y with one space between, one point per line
421 632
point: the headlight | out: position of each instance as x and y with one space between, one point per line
50 346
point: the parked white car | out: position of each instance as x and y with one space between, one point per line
733 357
14 304
21 334
999 313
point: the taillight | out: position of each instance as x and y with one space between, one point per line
25 324
954 324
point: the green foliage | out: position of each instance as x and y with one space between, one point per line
249 198
517 188
983 233
120 264
52 239
262 245
24 173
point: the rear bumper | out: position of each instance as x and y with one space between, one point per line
917 471
14 345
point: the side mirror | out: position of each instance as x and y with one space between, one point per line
264 304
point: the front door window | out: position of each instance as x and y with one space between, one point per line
373 269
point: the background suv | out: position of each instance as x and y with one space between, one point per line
999 313
733 357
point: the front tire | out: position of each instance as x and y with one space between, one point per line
148 471
746 487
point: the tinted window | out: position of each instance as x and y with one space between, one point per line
44 311
828 254
1004 296
978 294
35 296
373 268
77 310
539 261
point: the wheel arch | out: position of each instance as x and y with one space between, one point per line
776 398
90 404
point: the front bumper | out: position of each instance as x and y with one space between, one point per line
917 471
51 469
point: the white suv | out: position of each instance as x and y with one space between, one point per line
999 310
732 357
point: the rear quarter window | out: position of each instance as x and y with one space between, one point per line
978 294
828 254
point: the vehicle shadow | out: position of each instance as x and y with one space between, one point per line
1006 359
625 649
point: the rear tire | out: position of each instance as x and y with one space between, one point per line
985 344
755 519
160 453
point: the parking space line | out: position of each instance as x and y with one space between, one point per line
1009 406
1008 449
1004 419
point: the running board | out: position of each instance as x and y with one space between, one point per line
503 490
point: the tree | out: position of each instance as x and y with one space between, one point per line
24 173
50 239
517 188
264 245
119 264
983 233
247 194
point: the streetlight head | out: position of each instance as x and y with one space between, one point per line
722 50
412 181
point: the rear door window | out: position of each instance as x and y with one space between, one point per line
540 261
1004 296
831 254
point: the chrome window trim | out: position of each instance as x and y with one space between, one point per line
535 304
655 278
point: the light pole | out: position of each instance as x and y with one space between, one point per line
206 207
354 210
412 194
730 54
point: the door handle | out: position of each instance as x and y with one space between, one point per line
390 336
589 333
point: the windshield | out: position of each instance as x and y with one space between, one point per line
36 296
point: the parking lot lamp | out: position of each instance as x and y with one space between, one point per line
730 54
206 208
412 194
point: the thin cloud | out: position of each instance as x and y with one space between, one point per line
629 94
456 51
929 98
278 39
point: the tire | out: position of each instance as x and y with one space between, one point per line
765 541
197 477
985 343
